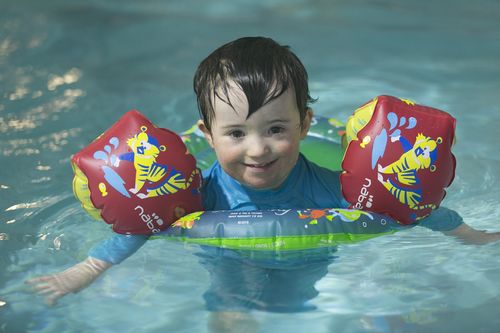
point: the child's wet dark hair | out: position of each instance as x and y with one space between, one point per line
262 68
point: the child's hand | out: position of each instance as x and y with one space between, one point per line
72 280
473 236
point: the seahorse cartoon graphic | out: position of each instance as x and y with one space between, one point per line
422 155
145 150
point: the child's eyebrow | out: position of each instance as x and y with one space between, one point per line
281 121
232 126
271 122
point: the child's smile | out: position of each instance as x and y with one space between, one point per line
261 166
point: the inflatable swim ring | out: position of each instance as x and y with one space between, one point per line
279 230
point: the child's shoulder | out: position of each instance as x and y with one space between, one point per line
211 172
322 183
312 169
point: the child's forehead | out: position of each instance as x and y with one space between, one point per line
230 89
234 107
230 100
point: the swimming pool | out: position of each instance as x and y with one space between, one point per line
68 70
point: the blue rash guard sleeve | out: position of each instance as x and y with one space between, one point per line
117 248
442 219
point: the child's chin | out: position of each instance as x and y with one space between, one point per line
261 185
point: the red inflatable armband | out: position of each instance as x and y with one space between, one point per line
137 177
398 160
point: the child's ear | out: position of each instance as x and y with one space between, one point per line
306 123
206 132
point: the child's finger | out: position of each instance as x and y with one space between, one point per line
46 289
52 300
38 279
48 286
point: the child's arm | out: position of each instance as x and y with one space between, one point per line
101 257
72 280
451 223
473 236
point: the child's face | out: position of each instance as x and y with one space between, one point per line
260 151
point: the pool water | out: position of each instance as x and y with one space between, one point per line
69 69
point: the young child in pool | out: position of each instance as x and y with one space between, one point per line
254 100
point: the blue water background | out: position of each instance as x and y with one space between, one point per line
69 69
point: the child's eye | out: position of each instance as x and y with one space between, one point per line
236 134
276 130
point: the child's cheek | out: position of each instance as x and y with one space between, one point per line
228 153
287 146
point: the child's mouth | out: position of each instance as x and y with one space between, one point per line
259 166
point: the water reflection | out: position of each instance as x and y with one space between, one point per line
72 76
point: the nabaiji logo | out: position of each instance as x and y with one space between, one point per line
365 199
150 220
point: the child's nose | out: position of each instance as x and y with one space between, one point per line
257 147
